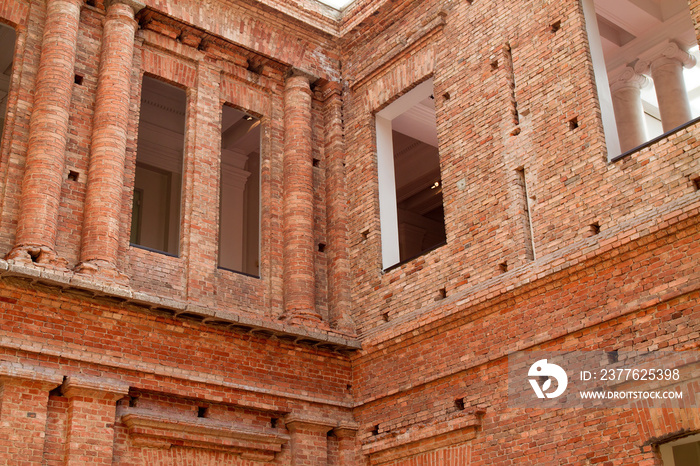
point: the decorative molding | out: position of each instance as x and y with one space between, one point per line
79 385
421 438
629 78
12 370
148 428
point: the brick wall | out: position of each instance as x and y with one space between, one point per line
186 363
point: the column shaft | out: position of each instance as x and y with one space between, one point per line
339 270
48 134
105 181
629 113
667 73
298 226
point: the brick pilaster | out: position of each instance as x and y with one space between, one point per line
105 180
90 424
24 397
201 226
309 440
298 226
48 134
347 450
339 270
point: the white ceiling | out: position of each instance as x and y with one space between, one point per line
337 4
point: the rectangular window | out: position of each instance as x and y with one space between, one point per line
155 215
8 37
239 225
644 58
410 187
683 452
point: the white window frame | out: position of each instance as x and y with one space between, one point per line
388 209
612 140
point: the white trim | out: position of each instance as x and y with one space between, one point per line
388 209
612 140
388 214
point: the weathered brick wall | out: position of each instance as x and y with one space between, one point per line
171 363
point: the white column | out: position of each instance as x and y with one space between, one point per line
667 73
629 113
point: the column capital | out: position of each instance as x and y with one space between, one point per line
16 371
346 429
295 421
629 77
300 77
135 5
669 52
92 386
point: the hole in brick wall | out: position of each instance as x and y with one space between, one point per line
349 386
613 357
56 392
446 96
273 422
503 266
696 184
515 132
543 378
494 65
594 229
34 254
73 175
90 2
555 27
442 294
573 123
202 411
365 234
375 430
316 162
321 247
133 401
385 316
78 79
459 403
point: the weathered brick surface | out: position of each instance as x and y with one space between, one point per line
203 352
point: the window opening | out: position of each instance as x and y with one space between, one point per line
155 215
239 225
8 36
410 186
645 57
682 452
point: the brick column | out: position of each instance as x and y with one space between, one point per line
24 397
48 134
347 448
298 223
667 73
336 215
627 104
309 440
91 415
105 180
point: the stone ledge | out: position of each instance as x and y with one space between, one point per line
14 370
392 446
80 285
106 388
161 431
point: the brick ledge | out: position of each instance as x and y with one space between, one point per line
148 428
216 317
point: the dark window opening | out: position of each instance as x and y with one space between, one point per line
239 224
155 221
